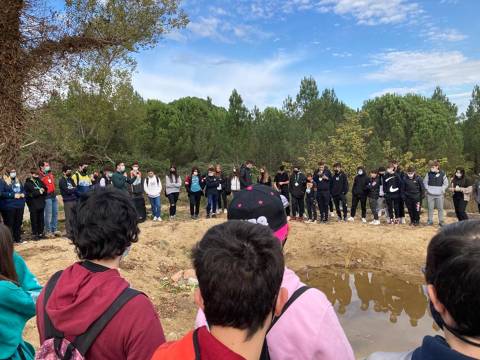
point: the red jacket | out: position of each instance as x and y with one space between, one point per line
210 348
83 293
49 181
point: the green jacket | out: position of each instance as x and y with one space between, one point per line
121 182
17 306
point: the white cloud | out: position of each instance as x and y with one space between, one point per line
450 35
439 68
344 54
263 83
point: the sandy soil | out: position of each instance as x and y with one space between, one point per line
164 249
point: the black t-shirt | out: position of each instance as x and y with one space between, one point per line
282 177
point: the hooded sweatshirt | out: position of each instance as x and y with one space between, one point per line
360 183
309 329
436 183
433 348
83 293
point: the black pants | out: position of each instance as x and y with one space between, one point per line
323 200
287 195
13 219
460 207
311 208
222 200
139 202
393 204
298 206
337 199
172 199
330 204
374 207
401 209
37 220
413 207
363 203
195 199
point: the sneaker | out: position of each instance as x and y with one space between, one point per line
49 235
214 216
159 219
339 218
225 211
193 217
364 220
294 218
155 218
402 220
345 219
172 218
351 219
430 223
389 221
57 233
208 216
332 214
375 222
288 218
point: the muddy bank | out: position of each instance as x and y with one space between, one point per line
164 249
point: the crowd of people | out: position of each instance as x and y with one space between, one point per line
311 197
250 305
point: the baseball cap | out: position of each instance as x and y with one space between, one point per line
260 204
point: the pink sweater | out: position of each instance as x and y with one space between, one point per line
309 329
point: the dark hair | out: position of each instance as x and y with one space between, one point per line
410 169
117 163
453 268
33 171
195 169
41 163
462 171
249 162
321 163
104 224
282 168
7 266
65 168
170 175
239 267
381 168
337 164
374 171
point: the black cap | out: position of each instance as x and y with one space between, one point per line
259 204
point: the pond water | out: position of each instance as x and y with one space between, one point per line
379 312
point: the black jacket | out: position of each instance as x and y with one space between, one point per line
373 188
339 184
282 177
68 189
360 183
413 189
211 185
313 191
298 184
35 199
245 177
323 185
392 185
268 183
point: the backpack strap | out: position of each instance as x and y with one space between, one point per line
83 342
196 345
49 329
290 301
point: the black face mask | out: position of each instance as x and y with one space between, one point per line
84 171
441 324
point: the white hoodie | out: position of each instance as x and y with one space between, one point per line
152 186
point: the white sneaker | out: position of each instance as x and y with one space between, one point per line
332 214
375 222
402 221
155 218
159 219
351 219
364 220
225 211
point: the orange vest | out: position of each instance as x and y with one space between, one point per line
177 350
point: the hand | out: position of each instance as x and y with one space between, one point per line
42 191
17 196
457 188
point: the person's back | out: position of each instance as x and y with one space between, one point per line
228 257
104 227
309 329
452 274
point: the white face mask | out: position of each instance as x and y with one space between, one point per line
210 174
121 168
195 173
13 175
410 176
360 172
135 168
458 175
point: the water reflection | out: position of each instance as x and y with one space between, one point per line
382 292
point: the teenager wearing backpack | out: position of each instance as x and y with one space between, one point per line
90 299
17 305
436 183
153 188
308 328
238 315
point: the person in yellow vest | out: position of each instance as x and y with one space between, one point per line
82 179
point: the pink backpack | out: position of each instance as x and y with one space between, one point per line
57 347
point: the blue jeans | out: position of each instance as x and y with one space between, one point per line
51 214
155 202
212 203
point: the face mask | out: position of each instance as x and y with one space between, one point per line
126 252
262 171
135 168
433 170
34 175
13 175
121 169
410 176
458 175
296 171
69 174
374 176
210 174
360 172
46 169
390 171
108 175
337 171
195 173
84 171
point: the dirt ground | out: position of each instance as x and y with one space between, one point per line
163 250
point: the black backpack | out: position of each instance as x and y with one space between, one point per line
57 346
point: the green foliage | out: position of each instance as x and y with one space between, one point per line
471 130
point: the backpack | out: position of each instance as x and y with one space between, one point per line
57 347
156 177
265 354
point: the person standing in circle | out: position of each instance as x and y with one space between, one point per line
235 185
264 177
195 184
12 203
298 187
461 189
222 189
35 192
173 183
281 183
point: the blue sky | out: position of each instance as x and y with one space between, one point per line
361 48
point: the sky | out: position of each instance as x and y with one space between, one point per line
361 48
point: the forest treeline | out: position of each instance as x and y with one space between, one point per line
101 122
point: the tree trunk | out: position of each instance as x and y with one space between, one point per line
12 80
